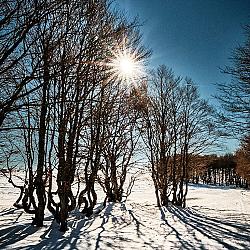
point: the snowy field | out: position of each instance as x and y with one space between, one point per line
215 218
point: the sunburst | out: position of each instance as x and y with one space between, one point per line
126 66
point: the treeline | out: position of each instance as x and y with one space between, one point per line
220 170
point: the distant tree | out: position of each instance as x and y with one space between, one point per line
235 96
198 167
221 170
243 160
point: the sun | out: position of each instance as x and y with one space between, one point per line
126 66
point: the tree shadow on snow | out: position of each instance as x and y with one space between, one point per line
49 237
15 233
52 238
112 230
105 219
12 230
228 233
116 226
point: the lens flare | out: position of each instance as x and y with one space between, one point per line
125 65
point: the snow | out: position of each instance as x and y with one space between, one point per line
215 218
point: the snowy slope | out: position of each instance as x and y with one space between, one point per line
215 218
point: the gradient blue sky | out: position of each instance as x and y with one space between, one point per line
193 37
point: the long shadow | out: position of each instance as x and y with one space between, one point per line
8 211
184 242
140 227
230 234
79 226
15 233
138 224
52 238
10 216
105 219
117 223
192 231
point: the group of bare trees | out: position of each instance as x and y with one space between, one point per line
63 114
176 124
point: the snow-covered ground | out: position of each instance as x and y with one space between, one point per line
215 218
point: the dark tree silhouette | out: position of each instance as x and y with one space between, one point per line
234 96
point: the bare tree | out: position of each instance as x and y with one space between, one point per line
243 160
234 96
120 142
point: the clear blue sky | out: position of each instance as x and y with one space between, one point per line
193 37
